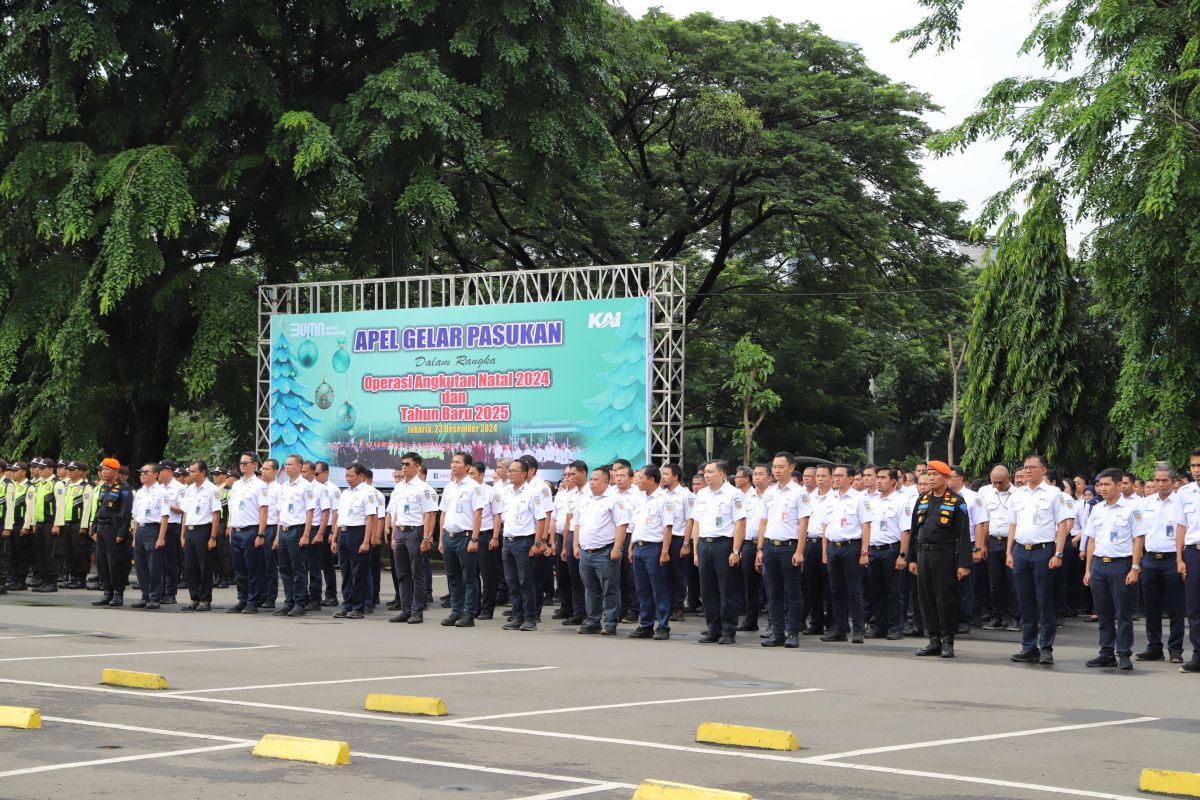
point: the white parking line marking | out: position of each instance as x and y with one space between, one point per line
51 635
590 782
604 787
143 653
986 738
1037 787
357 680
138 729
120 759
636 704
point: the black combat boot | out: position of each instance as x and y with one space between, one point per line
934 648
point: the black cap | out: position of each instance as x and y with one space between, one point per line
220 471
166 465
179 472
76 465
60 463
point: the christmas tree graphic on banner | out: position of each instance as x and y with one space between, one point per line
291 424
617 427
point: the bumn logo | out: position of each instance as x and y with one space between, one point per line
604 319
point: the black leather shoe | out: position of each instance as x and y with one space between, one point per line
354 615
606 631
934 648
640 633
1046 659
103 600
511 626
268 604
895 636
726 638
748 624
117 601
416 618
575 620
236 609
527 625
834 637
792 641
282 611
1191 666
487 615
393 605
661 634
138 604
45 588
465 622
339 614
812 630
1149 655
250 609
707 639
856 639
558 614
1124 663
774 641
169 600
329 601
297 611
189 606
1029 656
450 620
588 629
401 617
153 604
947 647
1103 661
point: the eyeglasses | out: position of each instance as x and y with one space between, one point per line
145 471
245 463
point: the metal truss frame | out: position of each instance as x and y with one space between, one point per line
663 282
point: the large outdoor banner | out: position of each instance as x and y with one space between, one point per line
560 381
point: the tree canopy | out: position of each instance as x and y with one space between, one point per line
159 160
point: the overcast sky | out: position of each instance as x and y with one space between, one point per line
992 32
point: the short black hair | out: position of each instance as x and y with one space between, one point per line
201 465
621 462
530 463
850 470
578 466
786 456
651 472
958 471
1113 474
358 469
252 455
605 470
720 465
413 457
466 457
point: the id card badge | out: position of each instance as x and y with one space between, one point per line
719 521
291 507
406 508
458 507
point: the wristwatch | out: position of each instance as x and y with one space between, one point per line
1137 567
1058 555
977 550
260 536
904 555
475 539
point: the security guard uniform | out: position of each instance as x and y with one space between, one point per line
47 542
942 529
114 548
224 566
20 544
73 524
5 541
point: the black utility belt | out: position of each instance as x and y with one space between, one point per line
515 538
1001 538
199 527
456 534
782 542
1111 559
408 527
847 543
884 546
599 549
713 539
1161 556
1040 546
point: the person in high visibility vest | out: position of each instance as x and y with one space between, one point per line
15 532
75 521
48 495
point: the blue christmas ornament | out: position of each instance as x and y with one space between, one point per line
306 354
341 359
324 395
346 416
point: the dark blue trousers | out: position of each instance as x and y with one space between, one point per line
845 586
249 564
883 581
356 567
785 597
1035 594
718 586
1163 590
653 588
462 573
518 573
1114 605
149 561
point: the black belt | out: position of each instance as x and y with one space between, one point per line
1192 546
514 538
195 527
936 546
782 542
1111 559
408 527
1041 546
1002 537
712 539
635 544
883 546
148 525
599 549
1160 556
456 534
847 543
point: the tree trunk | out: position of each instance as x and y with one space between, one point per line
955 366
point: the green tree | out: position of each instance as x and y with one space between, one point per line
160 159
1117 124
752 367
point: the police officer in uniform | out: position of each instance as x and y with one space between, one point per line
48 497
5 538
941 524
74 520
20 505
110 531
224 563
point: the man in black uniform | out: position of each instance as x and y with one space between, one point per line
943 558
114 551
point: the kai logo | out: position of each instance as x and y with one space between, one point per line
604 319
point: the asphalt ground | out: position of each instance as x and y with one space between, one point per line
551 714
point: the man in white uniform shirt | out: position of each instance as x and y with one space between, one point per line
413 511
270 479
524 538
488 551
976 517
847 534
1114 557
150 515
171 562
350 542
720 517
319 540
1042 518
651 558
201 503
571 604
1187 557
333 495
600 521
779 552
296 503
996 504
462 515
751 578
1163 589
816 576
886 564
248 501
678 506
632 497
